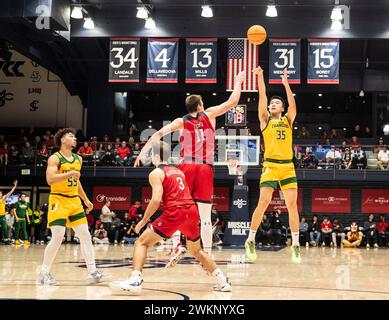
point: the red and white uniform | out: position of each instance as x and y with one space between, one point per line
180 212
197 156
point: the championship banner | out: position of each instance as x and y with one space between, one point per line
201 60
237 116
146 197
278 202
323 61
284 53
331 200
120 197
162 61
375 201
124 60
221 198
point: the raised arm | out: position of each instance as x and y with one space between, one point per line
232 101
176 125
155 178
12 190
292 110
263 114
52 175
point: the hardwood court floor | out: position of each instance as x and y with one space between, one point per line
325 273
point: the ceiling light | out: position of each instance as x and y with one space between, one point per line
320 107
361 93
207 12
271 11
344 129
320 94
294 94
336 14
77 13
188 94
214 94
320 128
89 24
142 13
328 108
336 25
150 23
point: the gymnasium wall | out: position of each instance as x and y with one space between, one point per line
31 95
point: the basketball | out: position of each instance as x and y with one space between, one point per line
256 34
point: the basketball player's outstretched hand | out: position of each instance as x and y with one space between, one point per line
241 76
284 77
258 70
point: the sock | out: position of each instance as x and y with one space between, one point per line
219 275
57 233
295 239
176 237
251 237
206 225
86 247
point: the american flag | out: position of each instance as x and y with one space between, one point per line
242 55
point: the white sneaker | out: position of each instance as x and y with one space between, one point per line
116 242
176 255
225 287
307 244
368 246
97 277
376 245
132 286
45 279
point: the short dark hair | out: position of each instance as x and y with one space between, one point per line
279 98
191 102
60 133
162 149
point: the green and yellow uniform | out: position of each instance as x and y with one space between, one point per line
65 207
21 212
3 221
278 167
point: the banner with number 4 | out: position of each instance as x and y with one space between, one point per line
124 60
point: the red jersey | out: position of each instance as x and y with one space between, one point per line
197 139
175 189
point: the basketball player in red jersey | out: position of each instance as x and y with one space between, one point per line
180 213
197 153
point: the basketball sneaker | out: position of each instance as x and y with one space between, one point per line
132 286
97 277
251 254
223 287
296 256
45 279
176 255
26 242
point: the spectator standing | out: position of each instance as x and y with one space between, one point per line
4 154
337 233
326 231
107 215
382 229
370 228
114 232
122 154
135 212
383 158
357 131
216 221
314 233
3 220
334 134
367 132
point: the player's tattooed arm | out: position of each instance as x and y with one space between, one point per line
176 125
155 178
292 109
12 190
263 114
52 175
232 101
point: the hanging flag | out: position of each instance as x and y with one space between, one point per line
124 60
284 53
242 56
162 61
201 60
323 61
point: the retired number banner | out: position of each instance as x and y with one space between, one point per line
284 53
323 61
162 61
124 60
201 60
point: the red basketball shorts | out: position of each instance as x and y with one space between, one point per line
185 219
199 178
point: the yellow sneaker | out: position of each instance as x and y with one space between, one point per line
17 242
296 256
26 242
251 255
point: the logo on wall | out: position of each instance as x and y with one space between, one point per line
240 203
35 90
34 105
11 68
5 96
35 76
